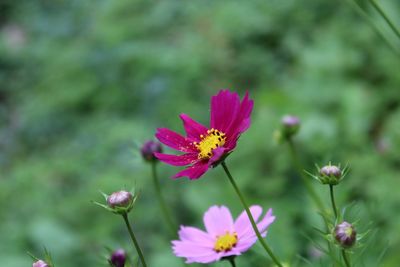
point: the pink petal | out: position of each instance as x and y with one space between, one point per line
218 220
244 245
205 259
262 227
224 108
266 221
175 140
231 252
174 160
193 128
194 171
241 123
217 155
242 223
190 249
187 233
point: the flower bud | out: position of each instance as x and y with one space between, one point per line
120 202
148 149
331 170
290 125
118 258
330 174
40 263
345 234
120 199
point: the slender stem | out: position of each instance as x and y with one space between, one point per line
232 261
346 259
310 189
344 254
161 201
385 17
333 201
135 243
353 4
253 224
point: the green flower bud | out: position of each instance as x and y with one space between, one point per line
120 202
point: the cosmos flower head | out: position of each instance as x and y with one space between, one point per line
205 147
223 237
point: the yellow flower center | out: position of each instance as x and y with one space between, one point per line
225 242
209 142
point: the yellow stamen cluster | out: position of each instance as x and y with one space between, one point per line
225 242
209 142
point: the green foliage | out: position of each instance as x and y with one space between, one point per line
84 83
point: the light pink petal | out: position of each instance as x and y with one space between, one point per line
224 108
231 252
187 233
218 220
242 223
194 171
266 221
190 249
193 128
180 160
175 140
205 259
262 227
244 245
217 155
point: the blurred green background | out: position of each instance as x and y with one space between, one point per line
84 83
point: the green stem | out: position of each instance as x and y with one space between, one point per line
310 189
385 17
135 243
333 201
232 261
365 16
346 259
253 224
161 201
344 254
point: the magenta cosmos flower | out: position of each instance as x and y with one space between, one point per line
204 147
224 237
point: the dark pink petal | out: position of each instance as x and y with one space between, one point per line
174 160
193 128
241 123
187 233
217 155
242 224
218 220
224 109
194 171
175 140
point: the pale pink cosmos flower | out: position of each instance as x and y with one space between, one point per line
224 237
